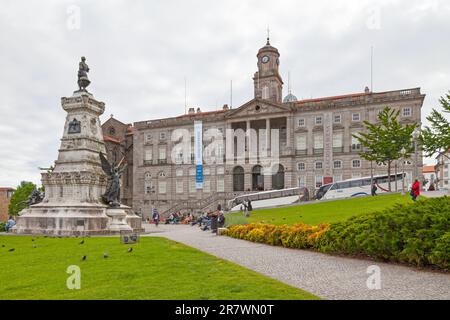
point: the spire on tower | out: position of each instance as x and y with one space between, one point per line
268 36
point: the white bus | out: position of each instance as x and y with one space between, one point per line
359 187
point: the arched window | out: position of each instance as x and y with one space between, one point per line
112 131
278 178
148 176
257 178
238 179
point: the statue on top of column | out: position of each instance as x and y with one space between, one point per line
83 70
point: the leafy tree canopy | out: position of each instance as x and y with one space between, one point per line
436 137
19 198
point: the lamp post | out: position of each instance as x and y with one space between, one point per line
416 135
403 153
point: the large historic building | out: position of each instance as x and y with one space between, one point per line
311 138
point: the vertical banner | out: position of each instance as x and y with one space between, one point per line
198 149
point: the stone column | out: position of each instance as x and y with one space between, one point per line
248 141
268 137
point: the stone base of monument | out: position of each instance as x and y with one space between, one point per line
77 221
118 220
63 220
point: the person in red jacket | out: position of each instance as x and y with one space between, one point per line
415 190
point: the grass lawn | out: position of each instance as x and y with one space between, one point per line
321 212
156 269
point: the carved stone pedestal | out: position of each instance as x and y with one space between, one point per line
118 220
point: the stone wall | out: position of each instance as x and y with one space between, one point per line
5 197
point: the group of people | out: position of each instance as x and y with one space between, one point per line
414 192
246 207
212 220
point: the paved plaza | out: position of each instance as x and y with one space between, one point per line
326 276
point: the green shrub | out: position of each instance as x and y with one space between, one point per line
2 226
416 234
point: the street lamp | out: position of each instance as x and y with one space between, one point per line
416 135
403 153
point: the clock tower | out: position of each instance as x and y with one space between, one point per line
267 80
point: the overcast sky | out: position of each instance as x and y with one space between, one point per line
140 52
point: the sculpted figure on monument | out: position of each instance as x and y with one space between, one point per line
83 70
114 172
35 197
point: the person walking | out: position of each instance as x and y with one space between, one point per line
415 190
155 216
374 189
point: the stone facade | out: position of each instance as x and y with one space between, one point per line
313 138
5 198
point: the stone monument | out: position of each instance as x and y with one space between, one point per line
74 190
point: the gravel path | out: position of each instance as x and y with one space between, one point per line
326 276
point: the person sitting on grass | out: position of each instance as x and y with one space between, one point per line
10 223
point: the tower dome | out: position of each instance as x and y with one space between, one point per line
290 98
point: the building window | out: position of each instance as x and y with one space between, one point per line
337 118
301 182
162 174
112 131
162 136
407 112
319 181
148 156
206 186
301 166
318 121
356 163
192 186
301 122
301 142
337 178
337 164
337 140
356 175
192 172
162 187
148 176
318 141
220 170
148 138
179 172
220 185
265 93
206 171
318 165
356 117
356 145
162 154
179 186
148 187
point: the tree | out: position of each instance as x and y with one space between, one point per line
383 142
436 138
19 198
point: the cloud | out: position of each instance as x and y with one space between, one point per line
140 52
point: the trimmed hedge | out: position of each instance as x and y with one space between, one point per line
416 234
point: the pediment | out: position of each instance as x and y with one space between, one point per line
257 107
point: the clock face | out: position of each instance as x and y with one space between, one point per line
265 59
